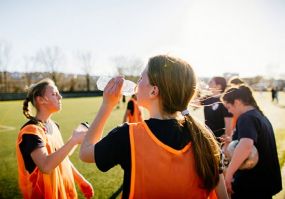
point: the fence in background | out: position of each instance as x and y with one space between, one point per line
21 96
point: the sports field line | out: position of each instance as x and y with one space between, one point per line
4 128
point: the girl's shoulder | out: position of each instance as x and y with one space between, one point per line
30 122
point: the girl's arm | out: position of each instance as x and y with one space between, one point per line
228 126
240 154
47 162
221 190
85 187
111 96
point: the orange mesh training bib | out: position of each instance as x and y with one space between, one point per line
57 185
159 171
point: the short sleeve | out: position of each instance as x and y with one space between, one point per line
113 149
226 113
29 143
246 128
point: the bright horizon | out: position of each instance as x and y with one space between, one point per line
215 37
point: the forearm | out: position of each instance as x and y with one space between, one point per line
47 163
240 154
94 133
221 188
228 126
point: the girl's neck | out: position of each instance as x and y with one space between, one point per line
163 116
247 108
43 117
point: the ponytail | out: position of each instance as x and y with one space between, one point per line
26 110
34 91
206 152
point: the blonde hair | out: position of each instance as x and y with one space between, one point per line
176 82
35 90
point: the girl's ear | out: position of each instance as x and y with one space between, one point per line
237 102
40 100
154 91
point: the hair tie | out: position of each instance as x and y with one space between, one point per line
185 112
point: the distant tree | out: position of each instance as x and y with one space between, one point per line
50 58
29 65
87 62
5 56
72 83
128 66
135 67
120 64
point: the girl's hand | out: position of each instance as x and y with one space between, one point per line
87 189
78 136
225 139
112 92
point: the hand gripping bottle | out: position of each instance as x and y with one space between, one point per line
128 86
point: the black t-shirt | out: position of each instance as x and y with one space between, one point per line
265 176
215 113
115 148
29 143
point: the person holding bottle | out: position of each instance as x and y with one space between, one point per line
44 168
170 155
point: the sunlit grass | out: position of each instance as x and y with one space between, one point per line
74 111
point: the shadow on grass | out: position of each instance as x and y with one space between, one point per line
116 193
9 188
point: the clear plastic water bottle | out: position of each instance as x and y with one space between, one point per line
128 86
84 126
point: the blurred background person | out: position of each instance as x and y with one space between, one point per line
217 117
274 94
235 81
133 112
252 129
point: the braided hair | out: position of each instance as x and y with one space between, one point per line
35 90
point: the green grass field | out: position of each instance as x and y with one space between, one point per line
74 111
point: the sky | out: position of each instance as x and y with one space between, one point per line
214 36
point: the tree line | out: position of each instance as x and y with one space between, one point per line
49 60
